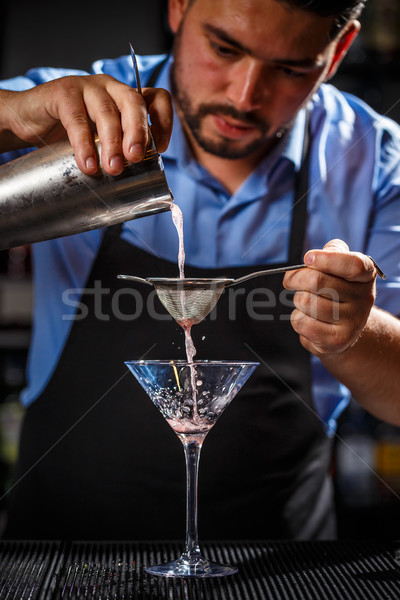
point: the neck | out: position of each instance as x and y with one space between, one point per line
230 172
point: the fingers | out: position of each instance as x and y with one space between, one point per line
336 259
135 135
319 337
333 297
79 106
159 105
325 285
65 102
327 309
119 115
328 326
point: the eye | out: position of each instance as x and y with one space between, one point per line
223 50
291 72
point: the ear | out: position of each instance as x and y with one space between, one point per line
176 10
343 44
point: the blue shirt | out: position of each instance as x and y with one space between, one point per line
354 195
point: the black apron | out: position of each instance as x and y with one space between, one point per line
98 461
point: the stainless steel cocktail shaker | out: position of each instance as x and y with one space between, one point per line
43 195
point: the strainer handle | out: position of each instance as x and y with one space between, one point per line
291 268
134 278
267 272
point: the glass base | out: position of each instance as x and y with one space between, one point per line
182 567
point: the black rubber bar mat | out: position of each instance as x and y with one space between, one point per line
267 571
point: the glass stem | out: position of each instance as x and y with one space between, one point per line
192 456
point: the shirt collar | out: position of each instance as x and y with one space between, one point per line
292 147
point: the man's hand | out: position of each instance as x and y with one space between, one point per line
333 298
75 106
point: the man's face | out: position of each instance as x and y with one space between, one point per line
243 69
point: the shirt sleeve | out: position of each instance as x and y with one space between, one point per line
384 235
37 76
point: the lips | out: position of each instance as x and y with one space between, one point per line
231 128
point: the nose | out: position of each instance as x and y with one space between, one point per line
245 89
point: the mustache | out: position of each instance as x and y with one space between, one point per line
248 118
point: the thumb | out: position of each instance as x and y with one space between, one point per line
336 245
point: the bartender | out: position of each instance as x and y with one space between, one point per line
270 165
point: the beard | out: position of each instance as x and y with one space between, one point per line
194 116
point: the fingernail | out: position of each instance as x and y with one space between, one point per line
309 258
91 163
116 163
136 150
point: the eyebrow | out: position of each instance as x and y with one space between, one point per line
308 63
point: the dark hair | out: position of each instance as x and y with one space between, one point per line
343 10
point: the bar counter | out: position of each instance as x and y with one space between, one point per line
41 570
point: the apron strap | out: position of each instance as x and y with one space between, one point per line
154 75
299 213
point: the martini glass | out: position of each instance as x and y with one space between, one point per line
191 397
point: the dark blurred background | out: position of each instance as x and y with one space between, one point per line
76 33
366 466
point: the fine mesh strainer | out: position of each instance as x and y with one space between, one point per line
189 301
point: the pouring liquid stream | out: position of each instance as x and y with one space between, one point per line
186 324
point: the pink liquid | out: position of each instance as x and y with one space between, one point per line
195 428
189 427
177 218
186 325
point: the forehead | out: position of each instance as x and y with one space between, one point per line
265 23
